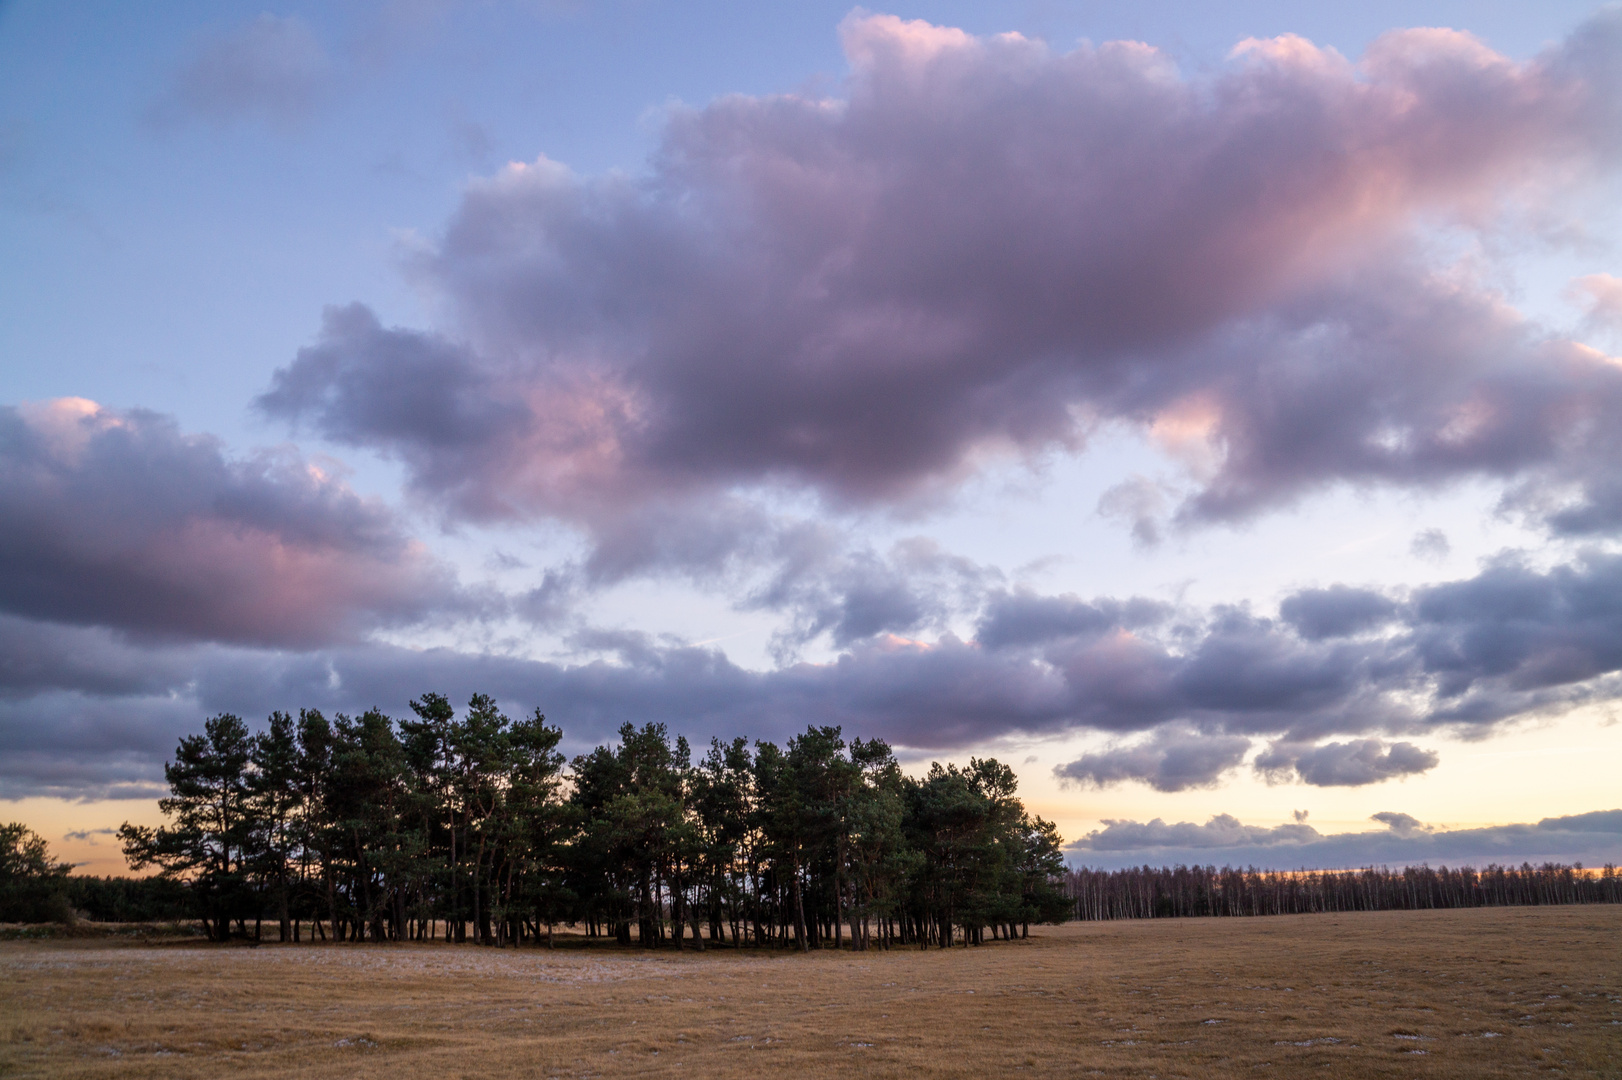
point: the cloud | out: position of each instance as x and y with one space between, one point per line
1142 502
1345 764
852 595
1024 617
988 248
1336 612
1467 654
1172 759
119 520
984 249
1591 838
1500 640
1222 831
413 395
36 657
1176 758
58 746
1431 545
273 68
1401 824
1603 293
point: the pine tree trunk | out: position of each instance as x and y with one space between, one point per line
799 908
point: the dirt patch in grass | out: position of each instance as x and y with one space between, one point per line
1479 993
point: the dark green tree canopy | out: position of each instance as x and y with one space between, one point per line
33 885
473 825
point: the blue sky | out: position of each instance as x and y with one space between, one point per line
1217 429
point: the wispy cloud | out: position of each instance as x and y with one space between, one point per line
274 68
89 835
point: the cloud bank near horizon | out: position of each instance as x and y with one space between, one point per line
1592 839
1189 693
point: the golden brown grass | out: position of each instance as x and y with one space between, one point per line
1491 993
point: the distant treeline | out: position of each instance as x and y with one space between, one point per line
35 888
128 899
32 883
1177 892
476 828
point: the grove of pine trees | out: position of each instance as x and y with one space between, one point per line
476 828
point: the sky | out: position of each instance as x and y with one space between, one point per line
1208 409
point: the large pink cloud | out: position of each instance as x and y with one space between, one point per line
988 247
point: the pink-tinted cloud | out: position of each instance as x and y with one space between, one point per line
118 519
1603 296
985 248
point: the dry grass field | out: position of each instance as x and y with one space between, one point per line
1481 993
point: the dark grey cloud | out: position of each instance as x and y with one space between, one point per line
1591 838
1513 636
274 68
1338 611
1172 759
38 657
1249 674
945 694
1222 831
1176 757
416 396
942 695
1509 641
988 248
552 601
1202 686
1024 617
120 520
1345 764
73 745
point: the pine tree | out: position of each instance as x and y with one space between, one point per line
211 836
